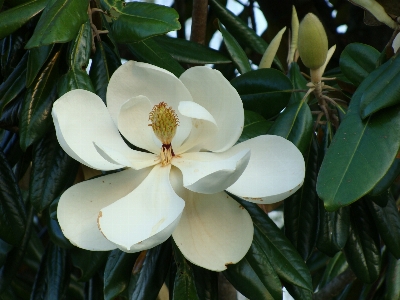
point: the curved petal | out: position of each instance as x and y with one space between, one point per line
131 158
203 123
275 171
210 89
79 207
143 215
134 79
209 173
81 118
214 230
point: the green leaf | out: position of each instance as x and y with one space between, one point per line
104 63
387 221
299 83
387 180
246 279
52 172
333 230
297 292
137 21
190 52
35 117
80 49
236 52
74 79
14 18
12 209
184 285
393 279
88 262
336 266
362 249
254 125
206 283
36 59
14 84
350 168
241 31
52 279
149 272
280 252
149 51
384 90
357 61
301 209
59 22
266 91
117 272
56 235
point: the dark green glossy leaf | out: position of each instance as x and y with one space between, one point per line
16 255
149 51
74 79
80 49
299 83
88 262
254 125
14 84
241 31
56 234
184 285
254 276
265 91
393 279
52 279
14 18
4 249
387 221
35 117
206 282
280 252
357 61
150 272
301 209
104 63
52 172
138 21
387 180
362 249
350 168
336 266
190 52
333 230
12 210
236 52
117 272
36 59
297 292
94 288
59 22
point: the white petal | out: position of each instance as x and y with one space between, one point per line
79 207
81 118
214 230
131 158
210 89
275 171
133 123
134 79
209 173
143 215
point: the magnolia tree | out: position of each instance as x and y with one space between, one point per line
130 170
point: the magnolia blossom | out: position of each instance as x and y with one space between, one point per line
185 132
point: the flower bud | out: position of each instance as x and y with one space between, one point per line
313 43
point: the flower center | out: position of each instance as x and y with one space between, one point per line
164 122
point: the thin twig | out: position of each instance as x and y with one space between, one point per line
334 287
199 21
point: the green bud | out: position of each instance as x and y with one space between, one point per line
313 43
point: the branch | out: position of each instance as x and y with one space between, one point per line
199 21
334 287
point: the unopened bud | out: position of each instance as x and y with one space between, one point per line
313 43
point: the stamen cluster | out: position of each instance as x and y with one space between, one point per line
164 122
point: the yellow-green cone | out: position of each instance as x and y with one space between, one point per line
313 43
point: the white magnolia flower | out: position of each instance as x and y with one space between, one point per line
173 187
